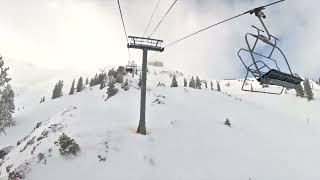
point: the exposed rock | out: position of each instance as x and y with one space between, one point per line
5 151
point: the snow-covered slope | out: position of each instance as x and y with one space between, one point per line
271 137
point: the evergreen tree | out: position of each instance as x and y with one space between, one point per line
80 85
111 88
125 85
7 106
8 98
185 83
121 70
112 73
72 87
198 83
211 84
206 85
299 91
87 81
218 86
57 91
103 83
3 73
5 116
308 89
95 80
100 78
192 83
91 82
119 77
174 81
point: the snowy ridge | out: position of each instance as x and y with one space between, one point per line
271 137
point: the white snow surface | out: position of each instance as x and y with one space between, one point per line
271 137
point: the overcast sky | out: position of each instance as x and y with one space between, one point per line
87 34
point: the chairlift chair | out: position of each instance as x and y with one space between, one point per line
258 64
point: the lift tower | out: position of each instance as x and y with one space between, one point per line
145 44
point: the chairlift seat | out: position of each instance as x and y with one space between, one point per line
278 78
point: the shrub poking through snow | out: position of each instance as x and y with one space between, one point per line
68 145
227 122
160 85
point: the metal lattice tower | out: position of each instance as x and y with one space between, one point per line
145 44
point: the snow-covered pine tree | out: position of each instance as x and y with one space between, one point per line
95 80
80 85
3 73
299 91
185 82
198 83
91 82
7 106
121 70
5 116
192 83
206 84
101 76
211 84
72 87
218 87
119 77
103 83
308 89
87 81
174 81
125 85
8 97
57 91
54 92
111 88
112 73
